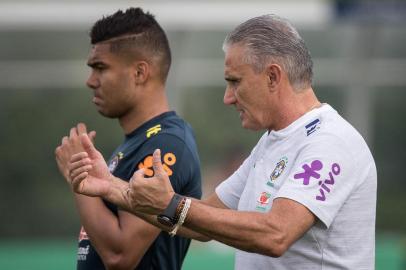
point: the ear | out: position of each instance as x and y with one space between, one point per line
141 72
274 75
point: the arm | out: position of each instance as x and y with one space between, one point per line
117 195
269 233
112 236
84 164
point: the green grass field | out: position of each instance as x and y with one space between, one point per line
48 255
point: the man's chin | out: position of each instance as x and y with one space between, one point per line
250 126
246 125
106 114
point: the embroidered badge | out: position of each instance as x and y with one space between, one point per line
263 201
114 162
279 168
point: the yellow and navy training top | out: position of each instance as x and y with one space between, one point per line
180 159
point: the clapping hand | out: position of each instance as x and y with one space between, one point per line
70 146
88 171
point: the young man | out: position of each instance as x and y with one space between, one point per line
306 196
130 59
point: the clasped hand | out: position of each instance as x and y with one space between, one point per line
90 176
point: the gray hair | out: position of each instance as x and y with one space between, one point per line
271 38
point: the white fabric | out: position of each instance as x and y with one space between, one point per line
322 162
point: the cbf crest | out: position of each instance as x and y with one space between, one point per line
279 168
114 162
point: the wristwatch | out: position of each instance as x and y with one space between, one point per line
170 216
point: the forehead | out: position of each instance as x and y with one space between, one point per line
234 59
100 51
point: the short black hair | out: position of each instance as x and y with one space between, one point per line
143 31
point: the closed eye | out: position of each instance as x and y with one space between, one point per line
232 81
97 66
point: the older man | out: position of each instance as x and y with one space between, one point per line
305 198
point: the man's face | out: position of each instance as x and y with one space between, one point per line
246 90
111 81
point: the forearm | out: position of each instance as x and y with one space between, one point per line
101 225
183 231
118 195
249 231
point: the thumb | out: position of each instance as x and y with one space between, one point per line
157 164
138 174
92 135
88 146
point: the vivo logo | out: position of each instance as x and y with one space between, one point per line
324 185
311 171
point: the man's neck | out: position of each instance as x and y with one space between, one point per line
296 106
146 108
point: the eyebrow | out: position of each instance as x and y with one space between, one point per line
230 78
93 64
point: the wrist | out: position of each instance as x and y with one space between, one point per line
114 188
170 215
181 216
166 202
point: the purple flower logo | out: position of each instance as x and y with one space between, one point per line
309 171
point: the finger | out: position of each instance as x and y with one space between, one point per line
77 164
77 182
88 145
139 174
92 135
61 162
81 127
59 154
65 140
57 151
73 133
157 164
78 156
78 171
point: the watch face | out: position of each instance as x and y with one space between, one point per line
164 220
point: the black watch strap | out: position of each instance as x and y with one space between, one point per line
170 211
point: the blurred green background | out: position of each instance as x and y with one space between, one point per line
359 56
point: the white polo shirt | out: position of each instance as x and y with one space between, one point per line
323 163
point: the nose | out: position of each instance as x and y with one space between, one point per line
229 97
92 82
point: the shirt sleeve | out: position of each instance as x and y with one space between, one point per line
322 178
230 190
180 164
